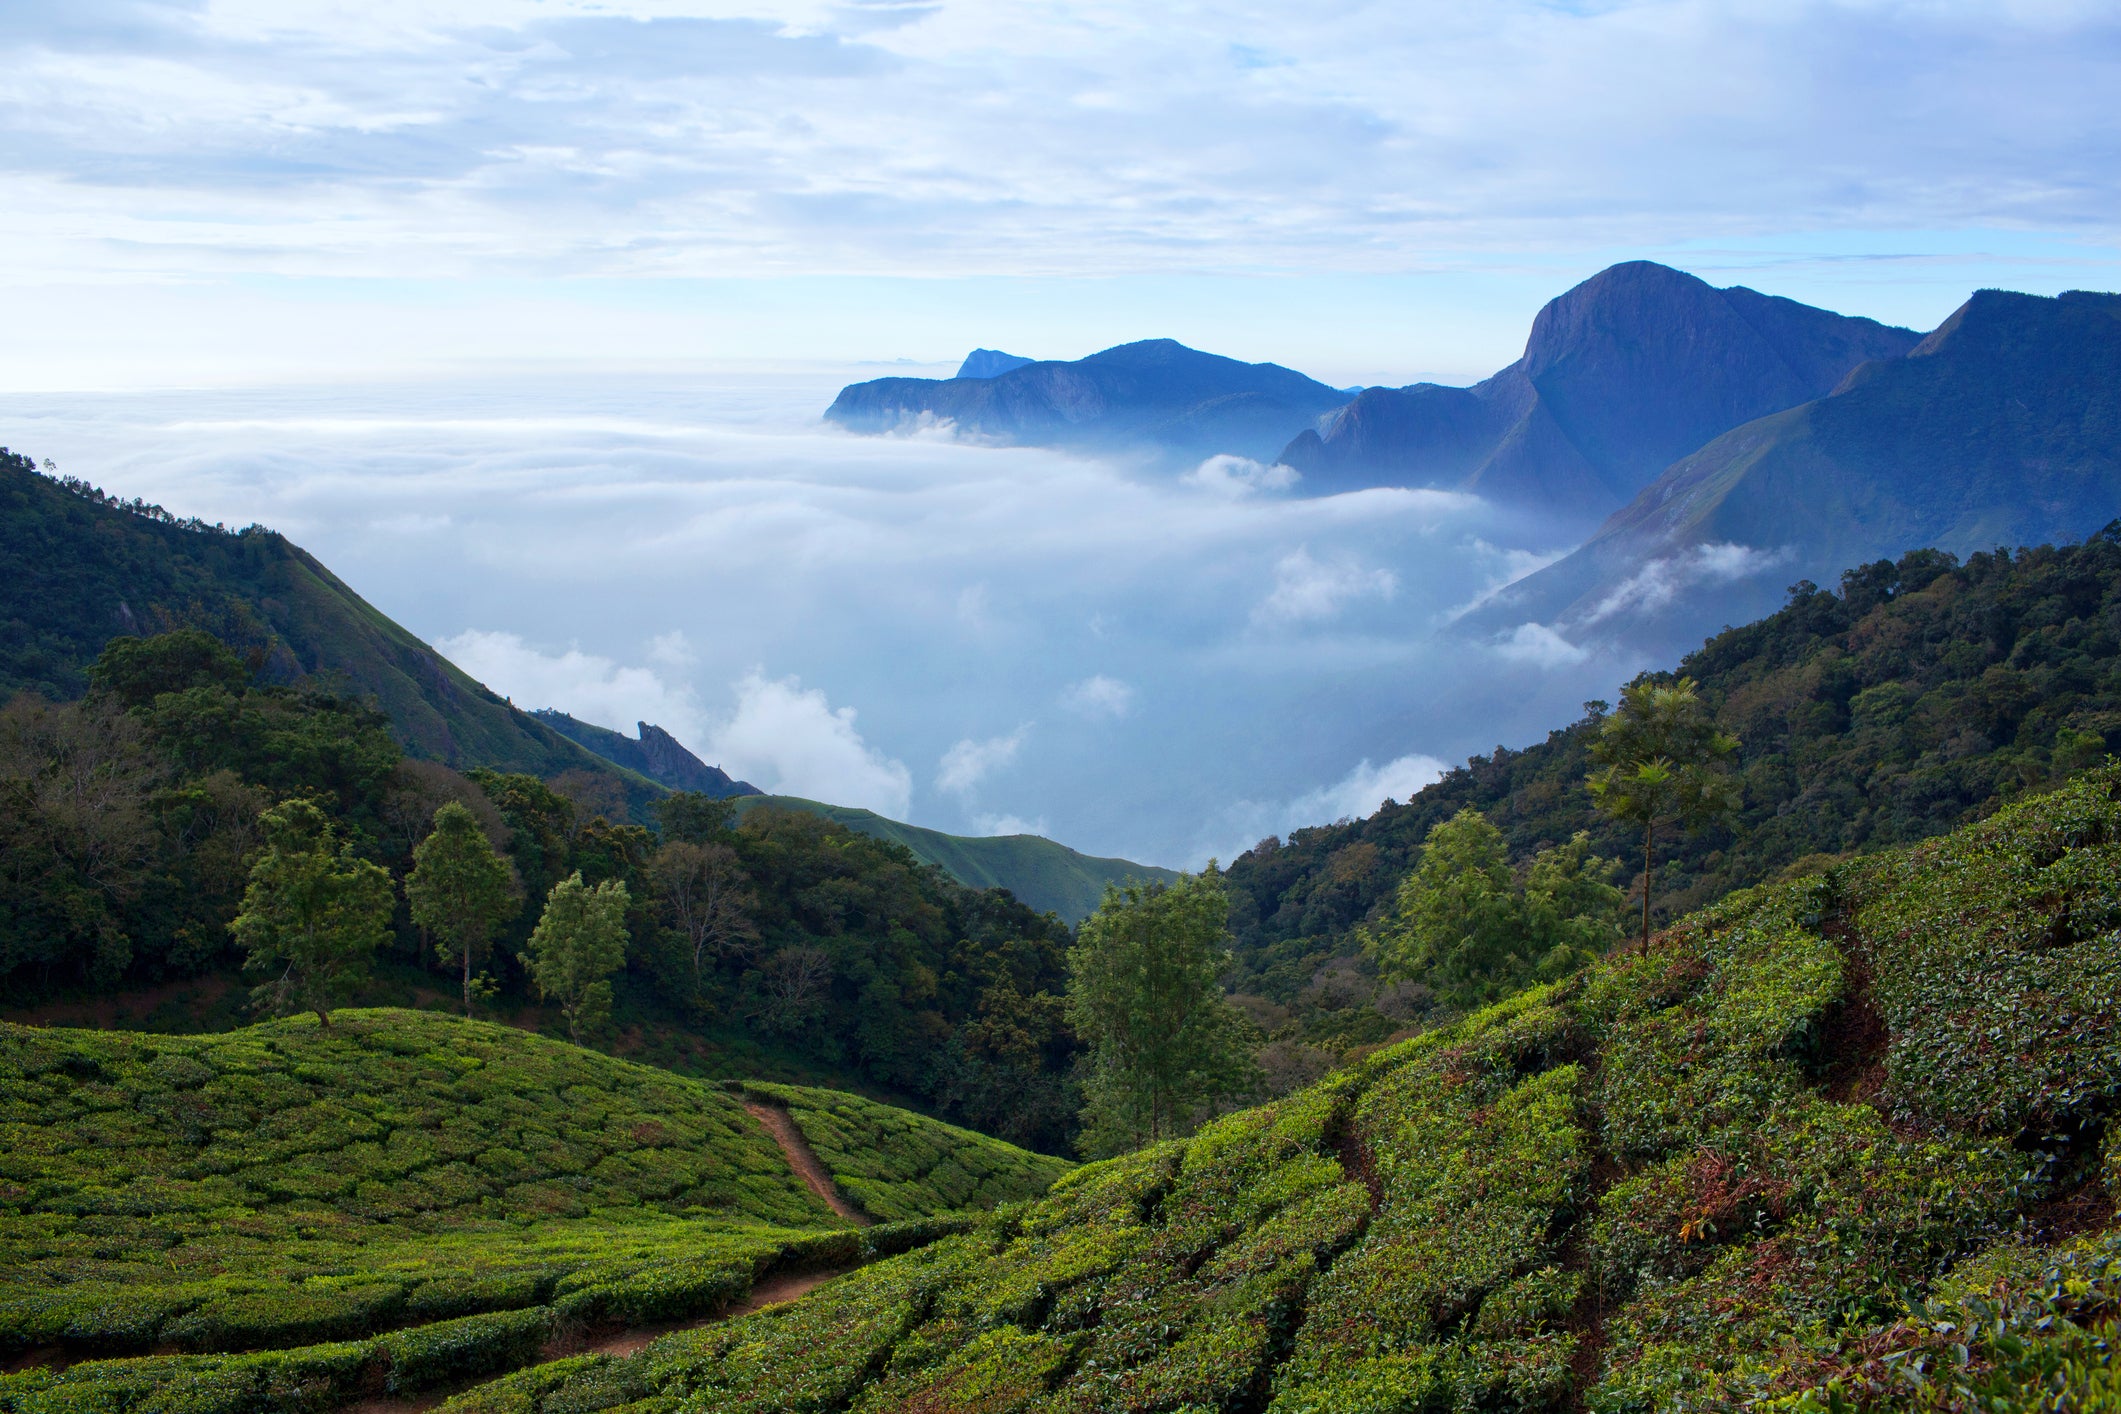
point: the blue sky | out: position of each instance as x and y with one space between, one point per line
520 313
1375 192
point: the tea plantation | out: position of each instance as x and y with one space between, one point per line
896 1164
400 1199
1837 1144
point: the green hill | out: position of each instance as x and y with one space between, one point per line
1048 876
78 568
1838 1143
394 1175
1923 694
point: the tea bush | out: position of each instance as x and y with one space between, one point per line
1669 1182
895 1164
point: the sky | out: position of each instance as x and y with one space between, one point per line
520 313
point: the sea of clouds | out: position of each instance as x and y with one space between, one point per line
977 638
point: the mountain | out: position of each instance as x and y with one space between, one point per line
656 754
1843 1143
989 363
1158 395
1046 876
1635 366
2002 427
79 568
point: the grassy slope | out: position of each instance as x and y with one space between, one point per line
396 1173
75 572
1842 1139
1048 876
897 1165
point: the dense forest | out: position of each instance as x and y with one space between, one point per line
131 816
1922 694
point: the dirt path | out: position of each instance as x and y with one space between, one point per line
772 1291
805 1163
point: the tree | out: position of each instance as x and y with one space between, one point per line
1143 995
700 889
694 817
578 943
1663 760
312 909
1467 927
460 889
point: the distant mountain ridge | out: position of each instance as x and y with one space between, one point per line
1156 395
656 754
1634 367
1045 874
2002 427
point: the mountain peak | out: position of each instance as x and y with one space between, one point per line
990 363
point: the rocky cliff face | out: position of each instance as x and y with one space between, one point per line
656 754
1631 369
2001 428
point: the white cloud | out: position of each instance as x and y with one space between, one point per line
788 740
1099 697
1008 825
1307 589
583 685
672 650
1657 583
1364 790
1236 477
969 762
1540 646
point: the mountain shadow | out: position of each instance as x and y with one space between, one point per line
1635 366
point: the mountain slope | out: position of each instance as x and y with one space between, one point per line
1157 394
78 568
2002 427
1920 696
655 753
989 363
1635 366
1045 875
1773 1160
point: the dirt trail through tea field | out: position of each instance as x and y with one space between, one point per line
805 1163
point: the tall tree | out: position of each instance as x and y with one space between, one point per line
1465 926
701 891
312 909
1662 760
1163 1043
460 889
578 943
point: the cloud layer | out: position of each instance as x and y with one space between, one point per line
1059 136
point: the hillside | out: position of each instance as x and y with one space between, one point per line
402 1176
1634 367
654 753
78 568
1774 1163
1921 695
1047 876
2001 428
1156 395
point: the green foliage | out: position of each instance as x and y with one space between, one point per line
288 1183
312 910
460 890
1468 930
1660 1183
1142 992
578 943
1048 877
1924 694
896 1165
1662 760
